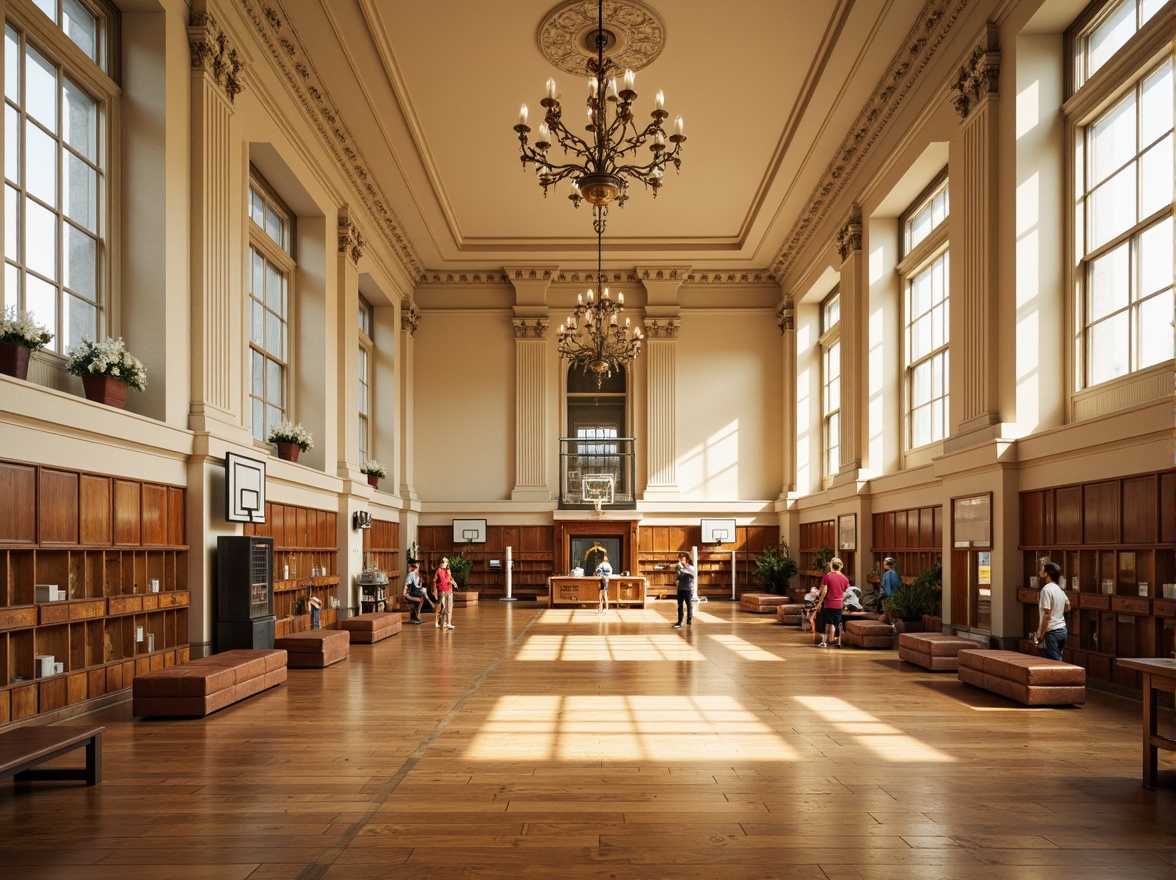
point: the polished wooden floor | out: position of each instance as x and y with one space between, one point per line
536 743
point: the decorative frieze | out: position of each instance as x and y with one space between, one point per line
663 328
351 240
524 329
410 316
979 77
209 48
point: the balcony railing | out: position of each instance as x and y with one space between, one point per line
596 469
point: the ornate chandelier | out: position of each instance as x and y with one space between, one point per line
602 164
595 340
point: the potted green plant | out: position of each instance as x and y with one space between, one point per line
907 606
775 568
374 470
19 338
290 439
821 557
460 567
107 370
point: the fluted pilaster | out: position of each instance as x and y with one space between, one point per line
852 287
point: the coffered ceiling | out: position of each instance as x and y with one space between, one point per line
429 92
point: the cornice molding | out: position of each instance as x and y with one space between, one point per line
912 59
209 50
979 76
293 62
613 276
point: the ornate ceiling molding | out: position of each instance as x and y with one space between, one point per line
567 34
292 60
979 77
612 276
210 51
930 30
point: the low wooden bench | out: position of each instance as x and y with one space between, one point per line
23 749
762 603
464 598
790 614
208 684
316 648
937 651
366 629
1034 681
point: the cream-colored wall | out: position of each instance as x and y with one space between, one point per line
727 407
464 401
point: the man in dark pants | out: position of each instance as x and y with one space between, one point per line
687 576
1052 605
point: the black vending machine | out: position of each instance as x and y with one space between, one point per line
245 592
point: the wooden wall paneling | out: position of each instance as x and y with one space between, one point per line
301 534
153 522
1140 509
57 507
18 519
1068 515
1100 508
1033 519
1168 508
94 510
679 537
177 533
127 508
937 527
902 534
927 528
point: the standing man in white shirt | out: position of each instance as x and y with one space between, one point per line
1052 605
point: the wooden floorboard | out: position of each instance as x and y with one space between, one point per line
526 744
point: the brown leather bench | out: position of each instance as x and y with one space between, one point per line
867 633
201 687
23 749
464 598
366 629
316 648
936 651
762 603
790 614
1034 681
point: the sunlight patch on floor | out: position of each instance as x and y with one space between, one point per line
744 648
886 741
561 616
600 647
625 729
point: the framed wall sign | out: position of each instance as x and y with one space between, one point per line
847 531
971 520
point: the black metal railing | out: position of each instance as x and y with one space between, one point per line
596 469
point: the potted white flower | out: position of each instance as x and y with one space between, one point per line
374 470
107 369
19 338
290 440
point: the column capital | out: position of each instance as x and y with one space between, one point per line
210 52
535 329
662 328
410 316
351 240
979 76
786 316
849 236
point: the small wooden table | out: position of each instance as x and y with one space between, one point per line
21 750
622 590
1159 674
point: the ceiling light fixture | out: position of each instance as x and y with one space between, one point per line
595 340
602 164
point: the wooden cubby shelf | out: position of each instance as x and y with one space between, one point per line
111 560
1114 542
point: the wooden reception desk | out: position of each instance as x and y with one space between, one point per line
628 591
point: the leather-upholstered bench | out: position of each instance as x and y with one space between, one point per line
789 614
936 651
366 629
316 648
201 687
762 603
464 598
867 634
1034 681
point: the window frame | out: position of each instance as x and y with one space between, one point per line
363 405
830 345
97 79
916 261
283 258
1088 102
